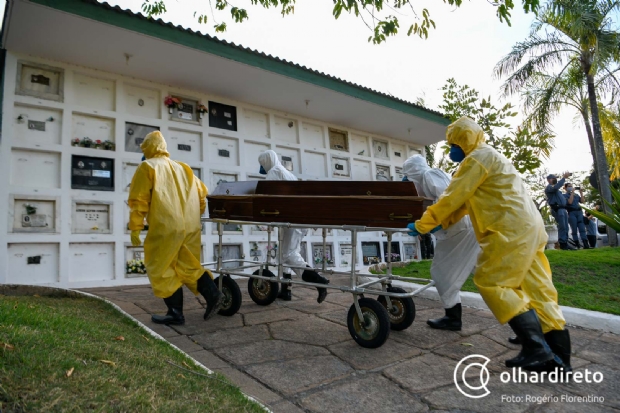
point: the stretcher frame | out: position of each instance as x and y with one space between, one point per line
355 288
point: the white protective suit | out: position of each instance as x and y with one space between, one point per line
457 249
291 244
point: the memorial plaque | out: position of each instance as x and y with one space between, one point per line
134 135
341 168
186 111
346 255
409 251
91 218
183 147
92 173
338 140
370 253
383 173
395 251
380 149
318 255
40 81
222 116
287 163
34 220
399 173
36 125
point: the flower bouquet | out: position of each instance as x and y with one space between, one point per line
30 209
136 267
109 145
201 109
86 142
172 102
98 144
75 142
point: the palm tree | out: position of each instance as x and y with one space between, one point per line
577 33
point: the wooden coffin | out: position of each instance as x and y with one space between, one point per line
364 203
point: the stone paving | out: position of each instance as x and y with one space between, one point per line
298 356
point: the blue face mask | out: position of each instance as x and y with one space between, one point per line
405 179
262 171
143 158
456 154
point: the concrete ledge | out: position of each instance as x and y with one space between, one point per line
594 320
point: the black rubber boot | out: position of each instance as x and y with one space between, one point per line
535 352
559 342
213 296
514 340
285 291
314 277
174 315
451 321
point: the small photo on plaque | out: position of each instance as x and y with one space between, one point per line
338 140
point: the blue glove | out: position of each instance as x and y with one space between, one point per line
437 228
414 232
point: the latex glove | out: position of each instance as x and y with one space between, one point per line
414 232
437 228
135 238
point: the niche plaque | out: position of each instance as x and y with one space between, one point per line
91 218
92 173
134 135
222 116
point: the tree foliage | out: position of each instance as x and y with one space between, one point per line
569 34
526 148
382 17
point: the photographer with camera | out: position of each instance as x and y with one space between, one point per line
557 203
575 214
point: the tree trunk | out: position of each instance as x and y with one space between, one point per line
600 161
586 121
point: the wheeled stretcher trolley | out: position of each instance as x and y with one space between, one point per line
358 206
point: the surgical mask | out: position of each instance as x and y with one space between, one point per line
405 179
143 158
569 189
456 154
262 171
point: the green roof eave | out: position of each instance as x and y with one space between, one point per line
128 20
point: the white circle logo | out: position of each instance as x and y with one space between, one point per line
471 391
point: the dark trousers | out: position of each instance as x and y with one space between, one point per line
426 245
592 241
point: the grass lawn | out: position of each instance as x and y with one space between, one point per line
588 279
80 354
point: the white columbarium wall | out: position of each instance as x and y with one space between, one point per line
79 237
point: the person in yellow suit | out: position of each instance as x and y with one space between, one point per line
512 272
172 199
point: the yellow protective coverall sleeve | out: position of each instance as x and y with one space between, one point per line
450 207
512 272
172 199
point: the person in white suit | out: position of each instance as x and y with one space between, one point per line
456 251
291 244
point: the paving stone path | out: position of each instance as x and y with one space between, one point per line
298 356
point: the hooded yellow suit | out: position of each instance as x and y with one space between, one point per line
172 199
512 272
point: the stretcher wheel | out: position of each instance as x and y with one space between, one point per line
232 296
374 329
263 292
402 310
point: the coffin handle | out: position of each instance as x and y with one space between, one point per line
263 212
393 217
219 211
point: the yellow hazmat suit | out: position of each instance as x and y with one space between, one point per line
512 272
172 199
